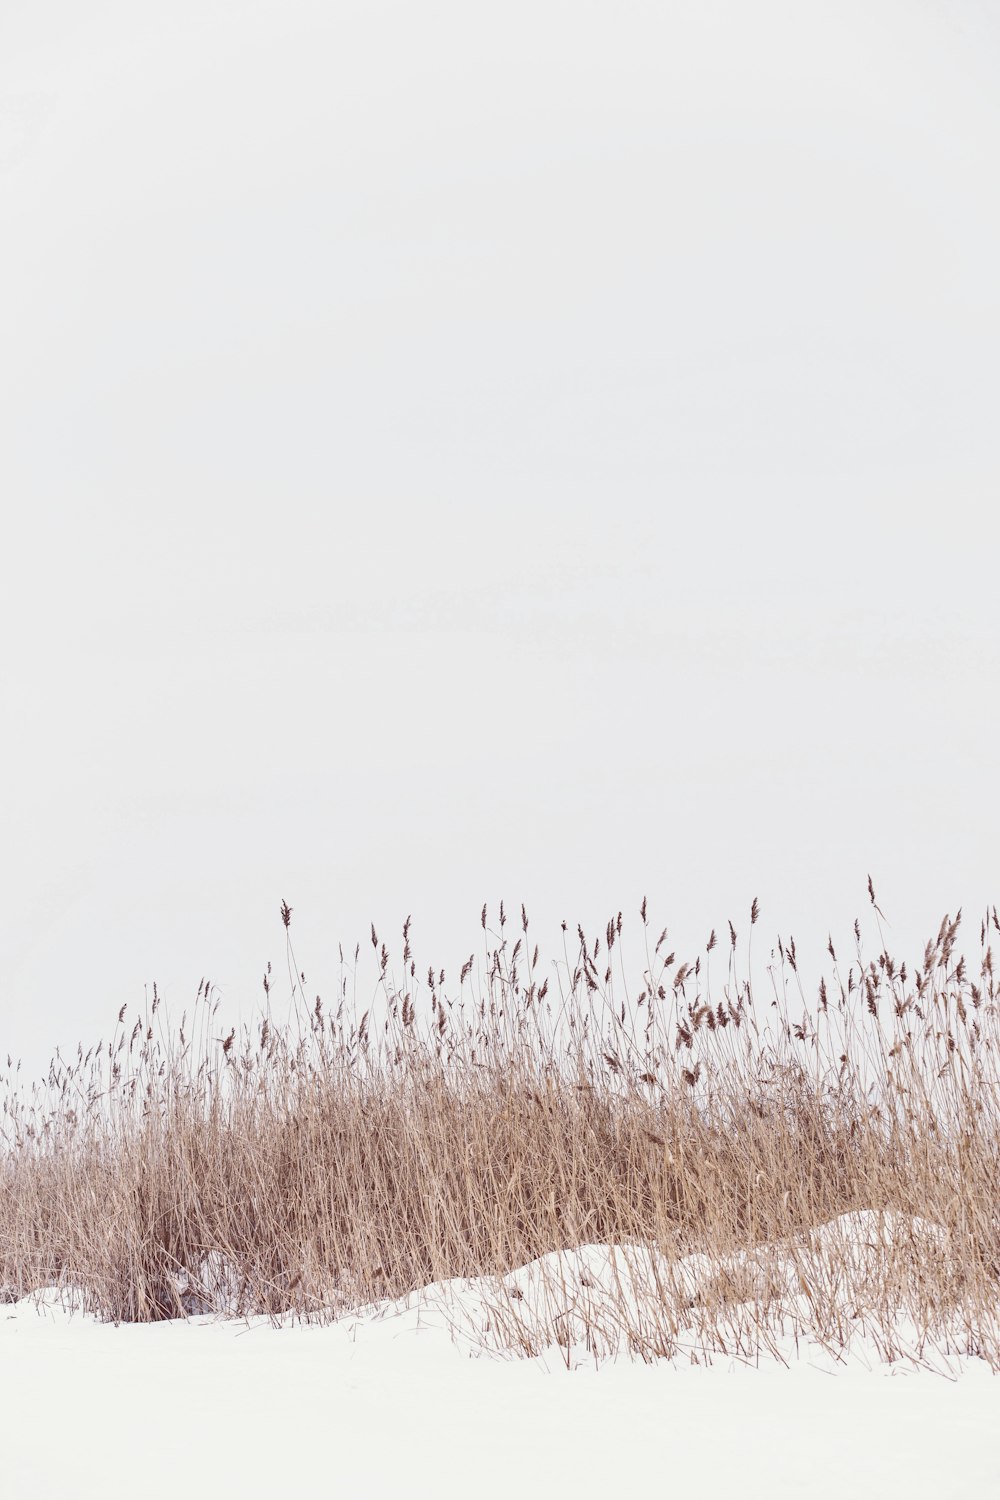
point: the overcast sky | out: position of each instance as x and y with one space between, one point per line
450 452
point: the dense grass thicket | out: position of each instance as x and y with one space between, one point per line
331 1155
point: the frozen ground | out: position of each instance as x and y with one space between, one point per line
396 1400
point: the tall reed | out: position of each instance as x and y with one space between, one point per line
340 1154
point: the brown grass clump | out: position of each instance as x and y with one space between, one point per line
465 1129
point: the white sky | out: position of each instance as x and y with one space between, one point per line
547 451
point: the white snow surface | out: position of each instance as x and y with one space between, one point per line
420 1396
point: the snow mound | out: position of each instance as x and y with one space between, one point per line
598 1302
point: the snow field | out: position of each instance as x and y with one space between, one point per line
392 1406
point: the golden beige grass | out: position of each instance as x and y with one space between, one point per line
330 1159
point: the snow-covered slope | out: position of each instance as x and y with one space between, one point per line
404 1398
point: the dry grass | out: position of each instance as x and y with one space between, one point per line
462 1129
